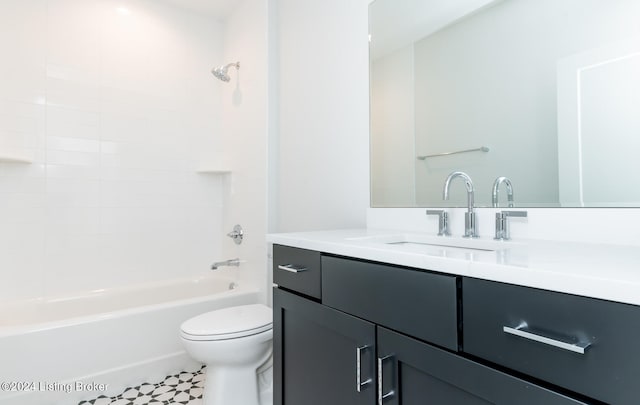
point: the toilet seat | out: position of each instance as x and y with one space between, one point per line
228 323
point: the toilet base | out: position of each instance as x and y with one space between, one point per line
224 386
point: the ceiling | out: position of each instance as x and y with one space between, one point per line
398 23
220 9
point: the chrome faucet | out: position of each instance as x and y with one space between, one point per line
443 221
470 228
502 223
232 262
237 234
494 193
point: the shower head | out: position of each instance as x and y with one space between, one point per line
221 71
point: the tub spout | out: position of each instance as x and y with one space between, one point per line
232 262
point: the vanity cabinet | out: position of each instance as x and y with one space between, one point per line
297 270
417 303
382 334
583 344
316 351
421 374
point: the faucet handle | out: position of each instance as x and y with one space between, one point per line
443 221
513 213
502 223
237 234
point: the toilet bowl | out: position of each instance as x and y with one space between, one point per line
233 343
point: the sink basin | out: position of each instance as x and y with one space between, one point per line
407 243
416 240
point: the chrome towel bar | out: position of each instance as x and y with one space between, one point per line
480 149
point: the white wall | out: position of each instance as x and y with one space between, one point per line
114 107
245 140
323 116
589 225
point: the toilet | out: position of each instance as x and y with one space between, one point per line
233 343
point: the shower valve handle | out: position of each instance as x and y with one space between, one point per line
237 234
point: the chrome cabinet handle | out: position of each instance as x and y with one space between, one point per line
359 382
292 268
382 396
523 331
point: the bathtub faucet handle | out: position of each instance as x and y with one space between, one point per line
232 262
237 234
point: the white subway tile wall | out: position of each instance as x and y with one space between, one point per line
116 109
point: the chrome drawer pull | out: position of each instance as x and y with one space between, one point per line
382 396
292 268
523 331
359 382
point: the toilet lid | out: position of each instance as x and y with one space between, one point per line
229 323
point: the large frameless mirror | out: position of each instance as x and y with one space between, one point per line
544 92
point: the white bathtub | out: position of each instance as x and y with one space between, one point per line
118 337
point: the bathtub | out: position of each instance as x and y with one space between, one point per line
61 350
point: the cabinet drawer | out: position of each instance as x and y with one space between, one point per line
417 303
423 374
542 333
297 269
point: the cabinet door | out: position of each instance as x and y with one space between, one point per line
414 373
321 356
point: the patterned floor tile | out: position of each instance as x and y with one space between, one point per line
182 388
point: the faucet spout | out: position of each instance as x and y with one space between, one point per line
468 184
496 186
470 227
232 262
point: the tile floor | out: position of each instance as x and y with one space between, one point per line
184 388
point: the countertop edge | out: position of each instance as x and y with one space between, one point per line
553 273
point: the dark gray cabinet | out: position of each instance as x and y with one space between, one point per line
321 356
417 303
297 269
416 373
381 334
583 344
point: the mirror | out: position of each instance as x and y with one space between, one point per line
544 92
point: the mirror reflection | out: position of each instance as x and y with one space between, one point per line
544 92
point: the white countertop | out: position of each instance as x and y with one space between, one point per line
609 272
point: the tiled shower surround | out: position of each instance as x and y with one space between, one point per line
112 108
183 388
115 106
